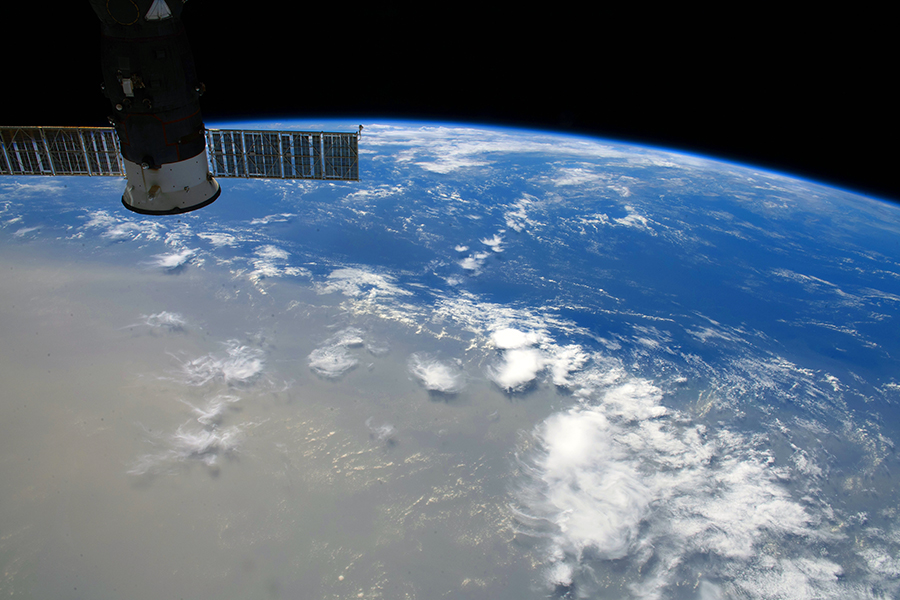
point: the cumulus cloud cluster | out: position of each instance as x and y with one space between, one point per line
44 188
445 149
271 261
360 283
165 320
624 479
202 438
218 239
635 220
118 229
475 261
494 243
517 217
240 364
527 354
218 379
519 367
509 338
622 482
172 261
205 444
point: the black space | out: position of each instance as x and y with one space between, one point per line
812 94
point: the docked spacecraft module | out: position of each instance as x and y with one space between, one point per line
170 160
150 80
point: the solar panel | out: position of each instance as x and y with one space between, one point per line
231 153
283 154
60 151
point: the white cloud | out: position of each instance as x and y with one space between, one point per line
436 375
635 220
446 148
819 287
521 363
172 261
622 479
600 497
212 413
165 320
376 192
190 443
715 332
270 261
22 232
119 229
271 252
332 361
494 242
474 262
564 361
41 187
508 338
632 219
219 239
881 562
279 218
576 176
240 364
334 357
348 338
451 162
205 442
517 217
359 283
518 369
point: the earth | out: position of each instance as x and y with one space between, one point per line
504 364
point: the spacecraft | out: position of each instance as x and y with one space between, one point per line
158 141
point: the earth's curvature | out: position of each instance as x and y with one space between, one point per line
505 364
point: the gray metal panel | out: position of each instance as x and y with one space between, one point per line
283 154
60 151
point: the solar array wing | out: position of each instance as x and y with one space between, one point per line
230 152
283 154
60 151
